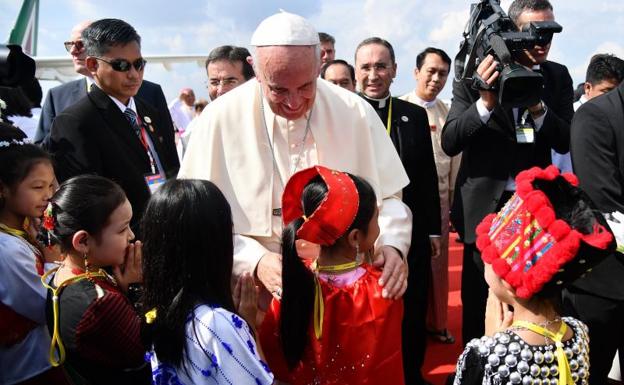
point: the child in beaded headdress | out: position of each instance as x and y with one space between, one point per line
26 185
546 236
332 325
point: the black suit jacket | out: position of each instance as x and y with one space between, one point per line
412 140
94 137
65 95
490 152
597 147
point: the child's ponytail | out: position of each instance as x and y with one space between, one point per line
297 299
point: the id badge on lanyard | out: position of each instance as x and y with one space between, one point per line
156 177
525 132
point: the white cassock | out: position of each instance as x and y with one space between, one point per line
250 160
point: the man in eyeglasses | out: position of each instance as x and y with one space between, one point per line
407 126
63 96
227 68
110 132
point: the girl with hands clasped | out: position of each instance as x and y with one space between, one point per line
545 237
200 331
96 331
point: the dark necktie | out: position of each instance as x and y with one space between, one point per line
132 118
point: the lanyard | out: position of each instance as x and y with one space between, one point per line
56 293
565 376
389 123
147 145
319 306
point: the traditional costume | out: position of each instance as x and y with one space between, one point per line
95 330
545 237
249 152
220 349
355 334
24 338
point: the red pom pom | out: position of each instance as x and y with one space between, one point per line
534 201
571 178
559 229
484 226
523 188
550 173
545 216
500 267
514 278
522 292
489 254
483 241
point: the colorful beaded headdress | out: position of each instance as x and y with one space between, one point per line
333 217
548 234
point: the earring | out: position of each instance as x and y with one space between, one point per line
358 256
86 263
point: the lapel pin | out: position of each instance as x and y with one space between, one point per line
147 119
404 118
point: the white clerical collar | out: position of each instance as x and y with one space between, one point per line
380 102
131 105
424 103
582 99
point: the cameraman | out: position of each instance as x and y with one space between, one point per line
497 143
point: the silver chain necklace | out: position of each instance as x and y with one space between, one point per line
302 145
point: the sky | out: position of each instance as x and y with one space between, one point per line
196 27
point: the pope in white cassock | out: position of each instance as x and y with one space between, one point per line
252 139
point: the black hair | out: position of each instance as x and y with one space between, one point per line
341 62
604 67
377 40
579 91
32 90
420 59
187 259
297 280
16 157
99 37
326 38
84 202
232 54
17 103
518 6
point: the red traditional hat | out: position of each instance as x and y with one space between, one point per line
333 217
534 241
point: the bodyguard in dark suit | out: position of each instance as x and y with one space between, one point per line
408 127
109 132
494 152
65 95
597 147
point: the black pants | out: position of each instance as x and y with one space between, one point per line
605 319
415 313
474 291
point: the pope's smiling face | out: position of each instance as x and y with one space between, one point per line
288 77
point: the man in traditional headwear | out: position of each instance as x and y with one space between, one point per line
252 139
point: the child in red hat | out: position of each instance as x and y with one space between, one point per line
546 236
332 325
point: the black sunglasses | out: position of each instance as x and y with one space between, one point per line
123 65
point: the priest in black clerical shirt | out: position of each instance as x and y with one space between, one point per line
408 128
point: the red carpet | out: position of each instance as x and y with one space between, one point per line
441 358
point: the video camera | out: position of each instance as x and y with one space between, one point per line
490 31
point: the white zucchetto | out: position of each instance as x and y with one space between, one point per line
285 28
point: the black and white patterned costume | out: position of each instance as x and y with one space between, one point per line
507 359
